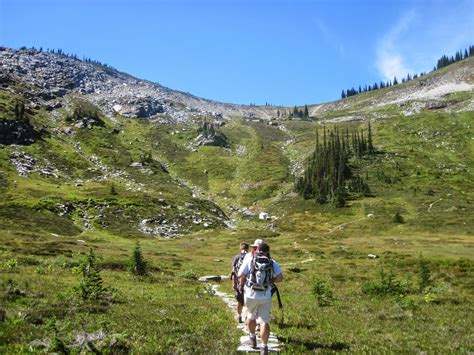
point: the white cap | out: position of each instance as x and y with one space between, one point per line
257 242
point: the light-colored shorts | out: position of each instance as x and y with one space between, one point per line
258 309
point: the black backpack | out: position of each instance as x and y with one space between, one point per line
261 273
235 269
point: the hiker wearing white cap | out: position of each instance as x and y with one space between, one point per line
258 274
254 246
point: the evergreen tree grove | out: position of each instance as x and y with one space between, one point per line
328 176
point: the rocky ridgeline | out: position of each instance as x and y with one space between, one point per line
47 78
427 92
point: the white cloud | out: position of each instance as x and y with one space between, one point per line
389 54
423 34
330 37
391 65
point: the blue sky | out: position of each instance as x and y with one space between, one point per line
283 52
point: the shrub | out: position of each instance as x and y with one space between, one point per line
424 274
113 190
12 291
408 303
138 265
398 218
189 275
387 285
10 264
209 290
430 297
323 293
56 345
146 158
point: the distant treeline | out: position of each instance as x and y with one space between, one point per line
69 55
442 62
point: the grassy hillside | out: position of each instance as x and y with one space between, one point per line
110 185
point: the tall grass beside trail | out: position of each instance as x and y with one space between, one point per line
359 310
56 307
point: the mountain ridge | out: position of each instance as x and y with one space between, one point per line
51 73
52 76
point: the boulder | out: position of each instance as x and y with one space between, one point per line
139 107
210 278
216 140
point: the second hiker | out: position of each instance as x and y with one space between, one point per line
236 264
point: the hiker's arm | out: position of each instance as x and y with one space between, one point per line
242 281
277 278
278 274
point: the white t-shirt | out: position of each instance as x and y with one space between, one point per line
253 294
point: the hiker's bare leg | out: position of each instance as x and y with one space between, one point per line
239 308
251 323
264 332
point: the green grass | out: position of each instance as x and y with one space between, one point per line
423 169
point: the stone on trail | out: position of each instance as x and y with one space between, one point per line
210 278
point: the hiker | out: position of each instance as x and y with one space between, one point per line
254 250
258 274
249 257
236 264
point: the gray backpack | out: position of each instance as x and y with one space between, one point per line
261 273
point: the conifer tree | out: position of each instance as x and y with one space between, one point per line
295 112
91 285
138 265
306 112
370 146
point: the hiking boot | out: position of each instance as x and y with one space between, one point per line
264 350
240 319
253 342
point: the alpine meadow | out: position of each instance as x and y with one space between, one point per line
118 194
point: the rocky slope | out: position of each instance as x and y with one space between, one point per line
431 91
69 136
46 78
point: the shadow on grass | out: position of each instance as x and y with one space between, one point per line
313 345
